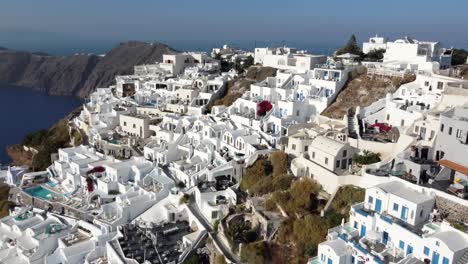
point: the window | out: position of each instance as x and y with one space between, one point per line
338 163
440 85
445 260
421 213
134 126
214 214
125 123
344 164
450 131
306 148
402 122
395 207
426 251
426 83
322 258
442 128
370 199
297 113
401 245
313 155
388 117
345 153
459 133
326 161
416 129
294 146
437 243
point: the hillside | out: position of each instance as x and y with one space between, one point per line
236 88
362 90
46 142
77 74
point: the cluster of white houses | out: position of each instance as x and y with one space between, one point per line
155 137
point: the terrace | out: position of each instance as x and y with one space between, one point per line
156 244
76 237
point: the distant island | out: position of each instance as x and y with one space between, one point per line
78 74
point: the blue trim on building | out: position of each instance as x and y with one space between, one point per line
386 219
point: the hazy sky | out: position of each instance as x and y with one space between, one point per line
93 25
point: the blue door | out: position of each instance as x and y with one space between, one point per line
435 258
378 205
363 230
409 250
330 261
404 213
385 238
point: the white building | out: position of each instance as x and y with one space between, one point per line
392 226
288 59
29 236
374 43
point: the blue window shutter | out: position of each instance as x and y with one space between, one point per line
402 244
445 260
426 251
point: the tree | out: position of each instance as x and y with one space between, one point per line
279 160
459 56
375 55
350 47
241 232
308 232
255 253
220 259
302 192
368 157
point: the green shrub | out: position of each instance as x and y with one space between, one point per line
216 225
184 199
368 157
350 47
35 138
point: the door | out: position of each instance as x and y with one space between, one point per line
409 250
404 213
330 261
378 205
425 153
435 258
363 230
385 238
422 132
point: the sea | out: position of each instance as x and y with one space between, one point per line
24 110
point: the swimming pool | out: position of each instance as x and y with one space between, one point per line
40 192
52 184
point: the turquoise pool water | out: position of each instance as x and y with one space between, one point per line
52 184
40 192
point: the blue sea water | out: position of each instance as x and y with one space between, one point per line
23 110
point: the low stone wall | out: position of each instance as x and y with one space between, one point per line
452 210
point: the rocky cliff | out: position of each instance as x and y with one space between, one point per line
77 74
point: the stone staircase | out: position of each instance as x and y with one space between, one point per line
352 124
464 258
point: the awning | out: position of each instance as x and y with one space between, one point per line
454 166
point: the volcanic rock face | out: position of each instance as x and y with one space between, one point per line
76 74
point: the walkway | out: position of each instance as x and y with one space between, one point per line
225 250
